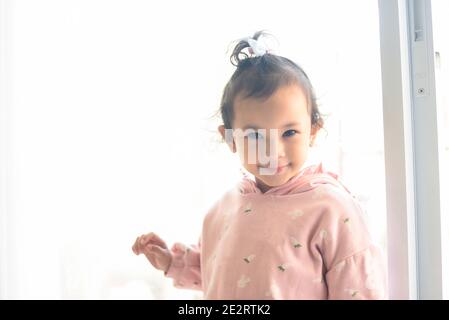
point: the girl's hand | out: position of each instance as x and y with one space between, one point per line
155 250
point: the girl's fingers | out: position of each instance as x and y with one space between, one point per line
157 244
153 239
134 247
148 252
151 255
144 239
150 244
157 256
137 247
157 250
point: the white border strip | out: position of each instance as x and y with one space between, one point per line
4 143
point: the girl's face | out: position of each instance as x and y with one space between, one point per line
272 135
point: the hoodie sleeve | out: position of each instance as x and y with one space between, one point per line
355 266
185 268
360 276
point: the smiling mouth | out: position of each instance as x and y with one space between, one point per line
278 169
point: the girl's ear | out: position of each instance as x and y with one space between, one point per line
231 144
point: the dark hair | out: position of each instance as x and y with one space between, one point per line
260 77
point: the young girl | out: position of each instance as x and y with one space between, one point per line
292 232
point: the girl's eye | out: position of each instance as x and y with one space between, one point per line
290 133
254 135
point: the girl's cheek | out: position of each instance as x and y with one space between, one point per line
240 146
247 152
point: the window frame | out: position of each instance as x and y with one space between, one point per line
411 150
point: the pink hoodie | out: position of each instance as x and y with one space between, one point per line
305 239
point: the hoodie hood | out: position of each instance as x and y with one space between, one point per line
307 178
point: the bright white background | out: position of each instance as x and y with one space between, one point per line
110 135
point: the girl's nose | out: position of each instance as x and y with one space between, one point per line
280 149
275 152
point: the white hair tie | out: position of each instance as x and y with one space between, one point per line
258 47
